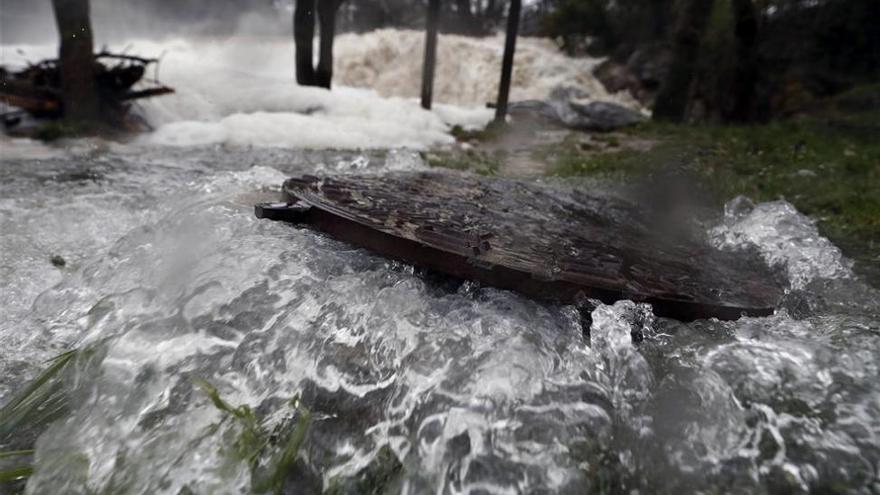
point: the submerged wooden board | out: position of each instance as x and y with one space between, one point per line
546 242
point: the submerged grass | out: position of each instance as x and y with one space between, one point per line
269 458
27 414
40 402
19 472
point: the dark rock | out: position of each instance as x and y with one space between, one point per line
618 77
650 64
606 116
596 116
641 75
58 261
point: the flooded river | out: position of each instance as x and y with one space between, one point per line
150 263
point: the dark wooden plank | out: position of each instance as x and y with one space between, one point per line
546 242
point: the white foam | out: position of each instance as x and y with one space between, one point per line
468 69
241 90
785 239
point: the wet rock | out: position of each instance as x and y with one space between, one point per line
618 77
641 74
606 116
595 116
650 64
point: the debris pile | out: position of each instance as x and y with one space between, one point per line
36 90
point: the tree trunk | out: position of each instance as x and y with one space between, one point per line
79 93
745 77
327 19
430 53
507 60
303 37
672 99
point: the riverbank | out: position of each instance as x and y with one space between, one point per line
826 163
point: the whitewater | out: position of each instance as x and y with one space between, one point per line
240 91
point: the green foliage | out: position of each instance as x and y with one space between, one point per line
609 23
489 133
268 459
716 62
581 17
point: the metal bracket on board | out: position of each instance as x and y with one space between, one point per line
283 212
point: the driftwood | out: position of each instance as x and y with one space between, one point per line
547 243
36 89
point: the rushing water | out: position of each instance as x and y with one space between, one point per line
414 384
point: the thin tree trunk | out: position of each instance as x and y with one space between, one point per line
507 60
303 37
79 93
430 53
672 99
327 20
745 77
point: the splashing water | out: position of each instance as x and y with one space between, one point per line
785 238
424 385
390 61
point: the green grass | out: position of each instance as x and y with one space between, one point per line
491 132
828 167
269 458
479 162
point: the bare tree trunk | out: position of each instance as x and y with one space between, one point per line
745 76
79 94
507 60
672 99
303 37
433 19
327 19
